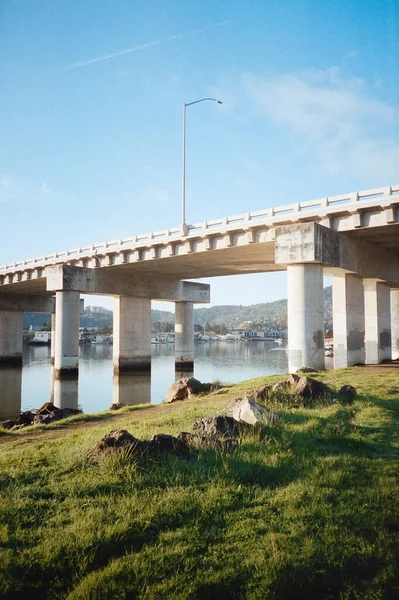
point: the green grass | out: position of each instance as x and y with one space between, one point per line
306 508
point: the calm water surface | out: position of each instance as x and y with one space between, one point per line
97 388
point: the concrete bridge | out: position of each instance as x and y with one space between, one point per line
352 237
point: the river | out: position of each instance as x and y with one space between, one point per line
96 388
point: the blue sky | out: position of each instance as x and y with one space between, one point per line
91 146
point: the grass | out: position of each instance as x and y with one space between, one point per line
305 508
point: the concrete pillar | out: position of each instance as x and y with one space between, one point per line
66 359
184 336
395 323
10 393
131 389
348 320
52 349
377 307
305 316
132 334
11 326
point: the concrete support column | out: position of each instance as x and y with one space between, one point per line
132 334
377 307
348 320
184 336
11 325
305 316
66 359
395 323
52 349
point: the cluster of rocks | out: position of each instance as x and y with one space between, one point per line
188 387
239 417
48 413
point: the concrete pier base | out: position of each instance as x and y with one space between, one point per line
348 320
52 349
184 336
377 307
395 323
66 350
305 316
11 324
132 335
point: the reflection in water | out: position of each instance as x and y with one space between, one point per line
182 374
10 392
224 361
65 393
131 389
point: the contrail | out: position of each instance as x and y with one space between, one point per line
141 47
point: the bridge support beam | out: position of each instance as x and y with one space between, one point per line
184 336
377 308
132 334
305 316
66 349
395 323
11 324
348 320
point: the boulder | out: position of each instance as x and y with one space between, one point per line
220 425
182 389
116 406
115 440
309 389
282 387
161 443
307 370
9 424
246 410
260 393
44 418
347 394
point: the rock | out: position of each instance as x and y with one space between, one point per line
347 394
114 440
246 410
44 418
309 389
308 370
26 418
282 387
9 424
220 425
260 393
116 406
162 443
46 408
182 389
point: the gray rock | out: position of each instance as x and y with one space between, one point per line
182 389
309 389
307 370
347 394
220 425
282 387
246 410
116 406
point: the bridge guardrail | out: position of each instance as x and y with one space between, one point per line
349 201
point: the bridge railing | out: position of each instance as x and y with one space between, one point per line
322 205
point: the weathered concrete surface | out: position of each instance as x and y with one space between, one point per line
305 316
311 242
395 323
123 283
184 335
378 321
66 359
348 320
132 334
27 303
10 392
11 324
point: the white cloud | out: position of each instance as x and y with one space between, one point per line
334 118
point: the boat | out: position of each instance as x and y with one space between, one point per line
41 338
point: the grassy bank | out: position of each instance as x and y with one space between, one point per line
307 508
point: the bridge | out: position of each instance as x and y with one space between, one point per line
351 237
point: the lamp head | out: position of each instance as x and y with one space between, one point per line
219 101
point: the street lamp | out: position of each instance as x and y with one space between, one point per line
183 218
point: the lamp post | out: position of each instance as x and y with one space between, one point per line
183 212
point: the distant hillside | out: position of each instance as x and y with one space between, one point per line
270 314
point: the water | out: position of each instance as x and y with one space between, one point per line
97 388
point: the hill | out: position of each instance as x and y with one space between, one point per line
269 314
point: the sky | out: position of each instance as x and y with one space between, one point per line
91 102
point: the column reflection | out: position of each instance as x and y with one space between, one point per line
10 393
131 389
